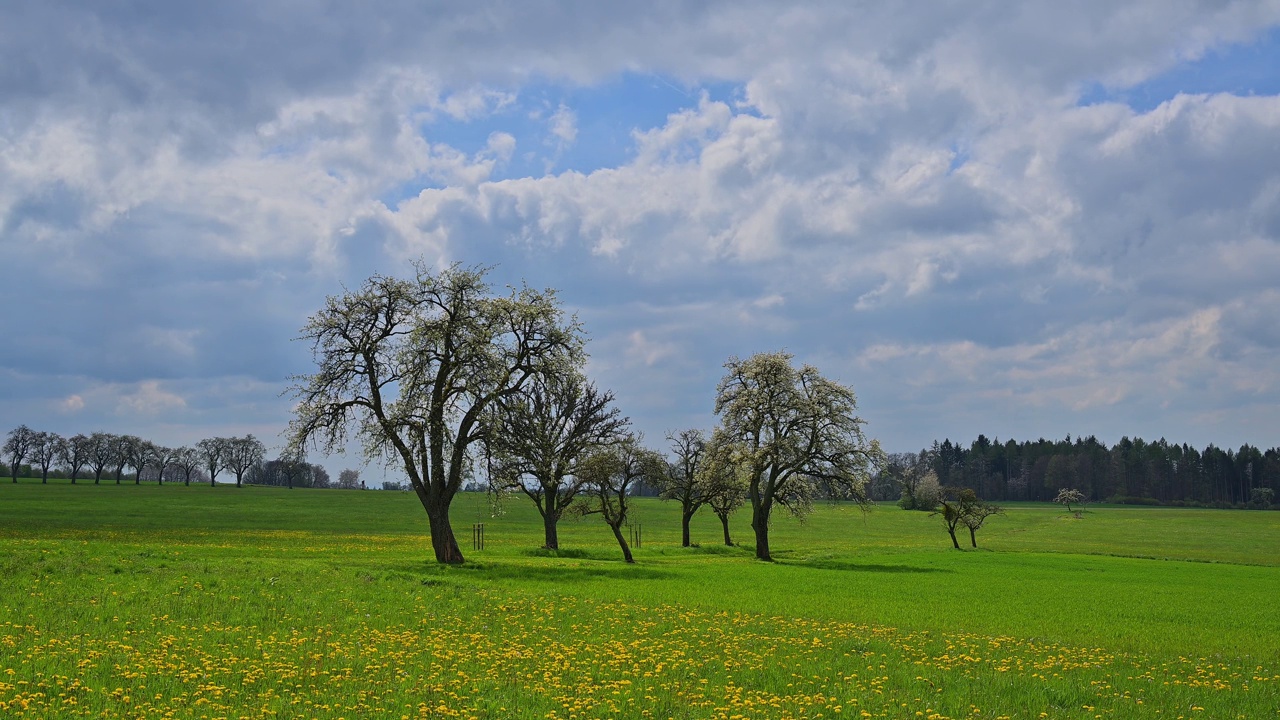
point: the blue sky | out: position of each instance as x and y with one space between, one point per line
1009 219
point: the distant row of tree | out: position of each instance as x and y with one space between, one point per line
1131 471
43 454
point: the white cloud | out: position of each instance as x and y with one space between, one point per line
71 404
148 398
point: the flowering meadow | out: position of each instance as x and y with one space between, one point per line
150 610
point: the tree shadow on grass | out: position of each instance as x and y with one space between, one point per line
847 566
559 573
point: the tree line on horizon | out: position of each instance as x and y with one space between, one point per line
38 453
1132 471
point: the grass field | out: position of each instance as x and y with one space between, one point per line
145 601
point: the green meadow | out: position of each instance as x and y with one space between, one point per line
199 602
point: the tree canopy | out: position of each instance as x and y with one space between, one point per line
796 434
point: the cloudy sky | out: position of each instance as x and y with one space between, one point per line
1020 218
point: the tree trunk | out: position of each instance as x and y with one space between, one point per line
760 523
442 539
622 543
685 517
952 533
137 477
724 520
973 537
549 531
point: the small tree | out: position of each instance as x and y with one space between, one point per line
542 433
952 512
135 453
349 480
610 475
928 492
1262 497
187 459
213 456
683 481
161 456
242 454
724 482
45 449
915 479
975 515
1067 496
101 454
74 453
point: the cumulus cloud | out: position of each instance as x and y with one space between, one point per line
920 201
149 399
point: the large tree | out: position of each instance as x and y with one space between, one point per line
684 481
540 436
796 434
17 446
414 366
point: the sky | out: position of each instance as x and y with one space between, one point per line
1023 219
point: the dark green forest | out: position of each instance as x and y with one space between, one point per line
1132 471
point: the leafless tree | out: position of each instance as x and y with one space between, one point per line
136 454
160 457
683 481
213 456
17 446
101 454
45 447
796 434
320 477
414 366
541 434
74 453
725 482
187 459
242 454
